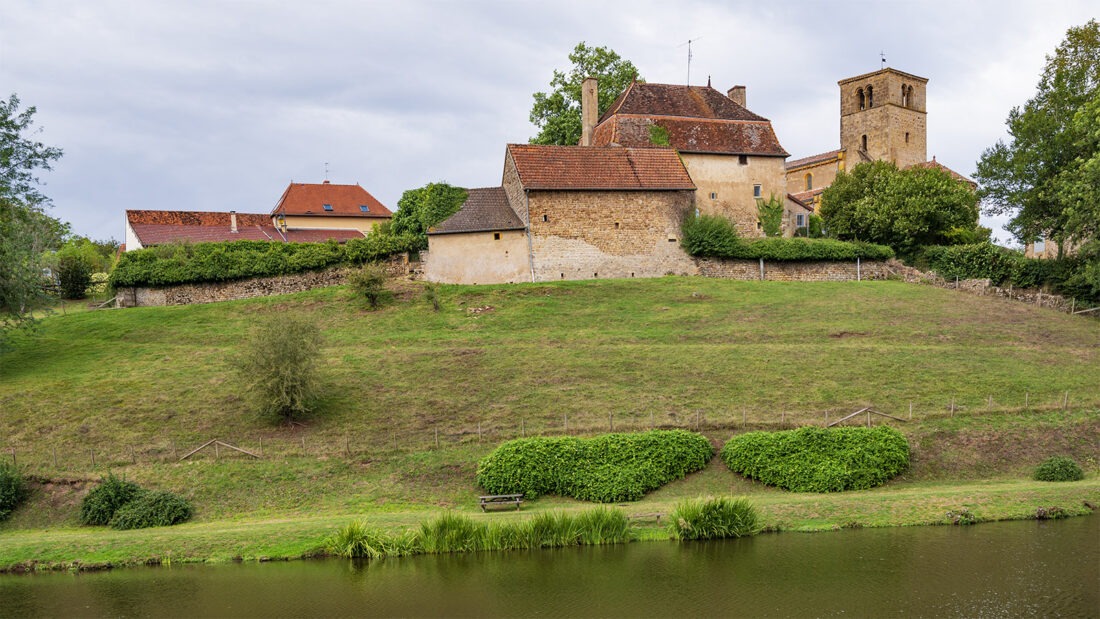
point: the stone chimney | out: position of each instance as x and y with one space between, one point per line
737 95
590 109
233 221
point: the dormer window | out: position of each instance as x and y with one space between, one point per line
364 208
328 207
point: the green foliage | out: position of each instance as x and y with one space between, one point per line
452 532
26 231
557 114
819 460
13 490
707 235
658 135
962 517
1048 174
100 505
74 273
904 209
1077 276
431 295
381 243
715 518
153 508
605 469
1059 468
770 213
369 282
358 540
420 209
278 366
815 227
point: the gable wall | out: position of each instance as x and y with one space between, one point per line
733 182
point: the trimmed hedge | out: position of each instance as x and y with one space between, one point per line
185 263
716 237
604 469
818 459
13 489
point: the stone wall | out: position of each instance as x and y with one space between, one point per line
731 184
212 292
600 234
793 271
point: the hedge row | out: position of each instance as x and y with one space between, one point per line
716 237
605 469
184 263
1076 277
818 459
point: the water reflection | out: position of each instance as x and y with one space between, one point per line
1013 569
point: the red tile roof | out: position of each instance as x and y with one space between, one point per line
160 227
812 159
195 218
674 100
345 200
596 168
692 135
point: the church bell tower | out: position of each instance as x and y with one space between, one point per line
883 118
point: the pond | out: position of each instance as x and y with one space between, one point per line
1011 569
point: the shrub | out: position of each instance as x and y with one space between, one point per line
605 469
13 490
74 274
278 366
819 460
1059 468
715 518
431 295
155 508
716 237
770 214
99 505
369 282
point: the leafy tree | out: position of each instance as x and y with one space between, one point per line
421 208
1048 174
904 209
279 367
369 282
557 114
26 231
770 212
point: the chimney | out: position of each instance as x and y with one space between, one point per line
233 221
737 95
590 109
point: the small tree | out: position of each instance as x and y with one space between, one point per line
74 274
369 283
770 212
279 367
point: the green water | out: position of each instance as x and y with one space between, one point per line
1013 569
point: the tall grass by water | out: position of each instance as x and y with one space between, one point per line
458 533
714 518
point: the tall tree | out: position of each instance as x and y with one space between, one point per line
423 207
1046 174
557 114
26 231
904 209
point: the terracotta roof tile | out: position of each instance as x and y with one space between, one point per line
159 234
675 100
813 159
484 210
195 218
345 200
596 168
160 227
692 135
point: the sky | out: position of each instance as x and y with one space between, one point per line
201 105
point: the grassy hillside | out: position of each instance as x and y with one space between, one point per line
407 389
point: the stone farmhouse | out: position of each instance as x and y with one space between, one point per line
306 213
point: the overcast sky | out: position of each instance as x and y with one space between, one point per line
198 105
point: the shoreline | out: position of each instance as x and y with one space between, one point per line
29 551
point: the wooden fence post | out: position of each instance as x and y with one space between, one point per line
910 409
479 432
13 457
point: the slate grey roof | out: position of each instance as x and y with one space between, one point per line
485 210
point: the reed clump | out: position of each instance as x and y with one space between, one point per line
714 518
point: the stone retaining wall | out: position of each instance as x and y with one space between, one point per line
818 271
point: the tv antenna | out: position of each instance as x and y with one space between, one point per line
326 170
882 57
688 44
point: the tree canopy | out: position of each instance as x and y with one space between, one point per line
421 208
904 209
26 231
557 114
1048 173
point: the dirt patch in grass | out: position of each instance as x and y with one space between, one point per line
843 334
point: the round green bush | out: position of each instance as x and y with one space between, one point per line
155 508
818 459
13 489
100 505
1059 468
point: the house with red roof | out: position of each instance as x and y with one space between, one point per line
306 213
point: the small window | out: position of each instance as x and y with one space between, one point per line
672 240
863 142
870 97
496 235
714 195
862 99
546 218
757 191
616 225
364 208
328 207
906 137
800 220
743 159
809 182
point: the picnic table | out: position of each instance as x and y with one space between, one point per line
497 500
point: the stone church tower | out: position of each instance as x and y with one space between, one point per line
883 117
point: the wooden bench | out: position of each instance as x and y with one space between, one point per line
501 499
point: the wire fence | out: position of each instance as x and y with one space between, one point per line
365 444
